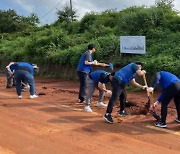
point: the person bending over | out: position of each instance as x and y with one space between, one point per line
97 79
170 85
121 78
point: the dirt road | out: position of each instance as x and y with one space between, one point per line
55 123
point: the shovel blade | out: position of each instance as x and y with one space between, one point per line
111 66
155 115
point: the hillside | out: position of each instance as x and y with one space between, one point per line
62 43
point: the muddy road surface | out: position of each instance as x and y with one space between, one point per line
54 123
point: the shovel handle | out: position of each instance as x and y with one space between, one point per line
152 98
144 78
153 112
145 82
148 93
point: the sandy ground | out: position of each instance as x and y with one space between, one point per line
55 123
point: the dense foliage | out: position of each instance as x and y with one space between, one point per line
63 42
10 22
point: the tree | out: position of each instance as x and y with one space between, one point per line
11 22
33 19
166 4
67 14
7 21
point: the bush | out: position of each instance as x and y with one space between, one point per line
63 43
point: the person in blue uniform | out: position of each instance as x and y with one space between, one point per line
170 85
84 68
24 71
11 80
120 80
97 79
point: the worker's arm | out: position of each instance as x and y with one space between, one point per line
134 83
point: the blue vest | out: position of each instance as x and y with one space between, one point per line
166 79
127 73
81 65
96 75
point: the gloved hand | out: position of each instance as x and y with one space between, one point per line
144 87
144 71
95 62
150 89
104 64
27 86
109 92
154 105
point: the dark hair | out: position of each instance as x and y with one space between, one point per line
91 46
138 63
112 74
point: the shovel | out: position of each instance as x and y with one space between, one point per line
153 112
150 101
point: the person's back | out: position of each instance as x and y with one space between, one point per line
24 71
24 66
167 78
126 73
96 76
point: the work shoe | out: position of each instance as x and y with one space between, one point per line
19 96
81 101
33 96
160 124
108 118
99 104
88 109
177 120
123 113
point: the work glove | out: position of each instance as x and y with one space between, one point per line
109 92
104 64
144 87
154 105
150 89
27 86
94 62
144 71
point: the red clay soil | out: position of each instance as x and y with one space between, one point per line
55 123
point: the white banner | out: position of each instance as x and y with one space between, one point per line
133 44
